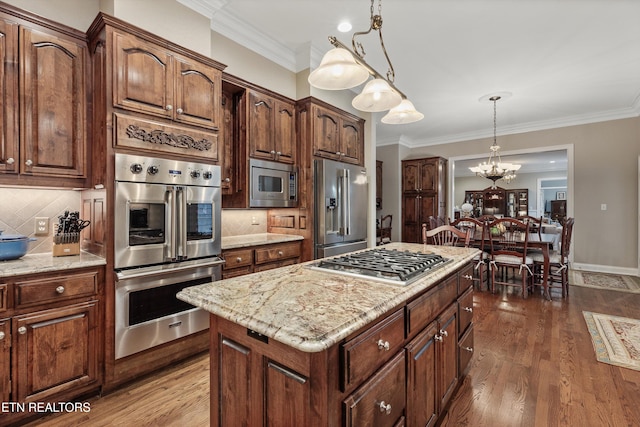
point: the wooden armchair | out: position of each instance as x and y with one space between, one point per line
510 264
535 224
385 229
478 231
446 235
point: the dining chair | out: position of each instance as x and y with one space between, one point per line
446 235
478 232
486 218
558 261
535 224
385 229
509 263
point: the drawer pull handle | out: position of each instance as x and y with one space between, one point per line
2 335
22 330
29 162
438 338
179 111
10 160
169 107
385 407
60 290
469 349
468 276
469 309
280 253
444 333
239 259
383 345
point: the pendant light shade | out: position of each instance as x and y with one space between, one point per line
403 113
376 96
338 70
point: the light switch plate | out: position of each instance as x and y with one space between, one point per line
41 226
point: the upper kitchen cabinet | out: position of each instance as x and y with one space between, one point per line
334 134
423 175
272 129
152 95
153 80
43 84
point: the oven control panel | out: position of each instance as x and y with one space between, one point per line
156 170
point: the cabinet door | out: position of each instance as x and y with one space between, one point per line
54 105
422 402
325 133
261 126
143 76
411 225
286 396
351 141
9 141
411 178
447 373
429 175
197 93
5 359
233 374
285 132
55 351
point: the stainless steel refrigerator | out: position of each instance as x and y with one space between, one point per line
341 204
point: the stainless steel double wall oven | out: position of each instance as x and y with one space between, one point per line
167 237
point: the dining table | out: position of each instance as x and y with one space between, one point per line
542 241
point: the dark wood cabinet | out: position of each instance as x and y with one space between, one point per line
423 194
51 336
271 126
422 403
559 210
247 260
498 201
169 85
334 134
43 107
378 184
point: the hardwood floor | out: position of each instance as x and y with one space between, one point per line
534 365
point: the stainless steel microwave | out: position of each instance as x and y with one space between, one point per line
273 185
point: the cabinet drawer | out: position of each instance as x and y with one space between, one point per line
235 272
465 349
465 278
381 400
269 266
277 252
56 288
465 310
421 311
237 258
362 355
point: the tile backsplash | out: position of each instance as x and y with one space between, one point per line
236 222
20 206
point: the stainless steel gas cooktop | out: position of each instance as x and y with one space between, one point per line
389 266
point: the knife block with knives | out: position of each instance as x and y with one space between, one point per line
66 240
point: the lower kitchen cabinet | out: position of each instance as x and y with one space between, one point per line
50 337
55 351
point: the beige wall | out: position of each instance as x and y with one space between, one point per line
605 171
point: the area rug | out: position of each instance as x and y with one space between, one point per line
614 282
616 340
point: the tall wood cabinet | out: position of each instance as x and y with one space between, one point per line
498 201
272 131
424 192
43 101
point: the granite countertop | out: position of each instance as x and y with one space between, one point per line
246 240
46 262
311 310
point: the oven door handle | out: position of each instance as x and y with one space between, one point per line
127 275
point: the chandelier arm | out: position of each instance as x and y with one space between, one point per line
391 74
337 43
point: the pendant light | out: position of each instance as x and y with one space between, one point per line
343 68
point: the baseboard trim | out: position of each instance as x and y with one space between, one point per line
605 269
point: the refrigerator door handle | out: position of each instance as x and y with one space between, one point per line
346 203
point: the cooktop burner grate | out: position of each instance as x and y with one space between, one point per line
395 266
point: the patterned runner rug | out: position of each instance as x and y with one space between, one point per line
616 340
615 282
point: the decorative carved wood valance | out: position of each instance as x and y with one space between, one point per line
161 137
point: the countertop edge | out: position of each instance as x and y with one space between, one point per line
47 263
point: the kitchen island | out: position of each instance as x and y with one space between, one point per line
298 346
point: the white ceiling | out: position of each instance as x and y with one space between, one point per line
564 61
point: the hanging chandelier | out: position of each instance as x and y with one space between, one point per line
494 168
342 68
